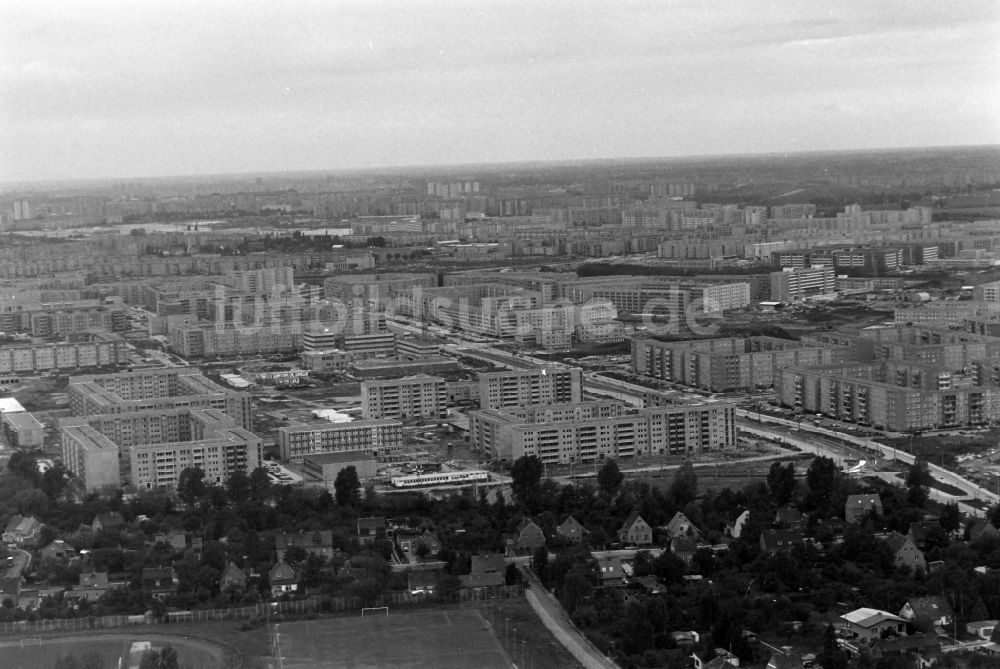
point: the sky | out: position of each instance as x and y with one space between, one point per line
133 89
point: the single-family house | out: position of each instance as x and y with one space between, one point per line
635 531
922 650
784 660
929 612
867 624
681 526
159 581
22 530
177 541
905 553
370 530
983 529
107 521
981 629
610 572
788 517
735 528
58 550
233 578
775 541
318 543
859 505
487 571
921 531
411 543
684 547
571 530
422 581
283 579
529 536
91 586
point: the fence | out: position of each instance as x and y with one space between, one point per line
265 611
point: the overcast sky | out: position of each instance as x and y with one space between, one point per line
94 89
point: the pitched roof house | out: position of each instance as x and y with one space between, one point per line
319 543
529 536
927 613
859 505
774 541
684 548
571 529
681 526
904 552
983 529
233 578
635 531
22 530
487 571
107 521
867 624
788 516
610 571
58 550
735 528
159 581
282 579
371 529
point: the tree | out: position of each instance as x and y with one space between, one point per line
610 478
346 487
918 480
25 465
165 658
526 475
260 484
821 478
781 482
191 485
831 657
684 488
238 486
951 518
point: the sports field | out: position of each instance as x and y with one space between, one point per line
43 653
453 639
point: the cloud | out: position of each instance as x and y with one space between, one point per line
111 87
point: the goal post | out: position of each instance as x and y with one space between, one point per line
375 611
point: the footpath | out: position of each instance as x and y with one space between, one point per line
556 621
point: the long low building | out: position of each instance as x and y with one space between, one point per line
382 438
589 431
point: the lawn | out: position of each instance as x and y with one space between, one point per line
456 638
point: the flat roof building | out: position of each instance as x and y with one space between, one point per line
383 438
411 397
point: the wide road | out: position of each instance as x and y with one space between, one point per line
807 439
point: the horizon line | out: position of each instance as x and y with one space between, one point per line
444 167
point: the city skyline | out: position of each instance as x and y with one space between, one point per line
227 90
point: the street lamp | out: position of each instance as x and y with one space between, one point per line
506 638
523 643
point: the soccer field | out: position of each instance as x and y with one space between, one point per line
453 639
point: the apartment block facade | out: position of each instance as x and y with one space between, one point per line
88 350
727 364
383 438
155 390
411 397
591 431
552 384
